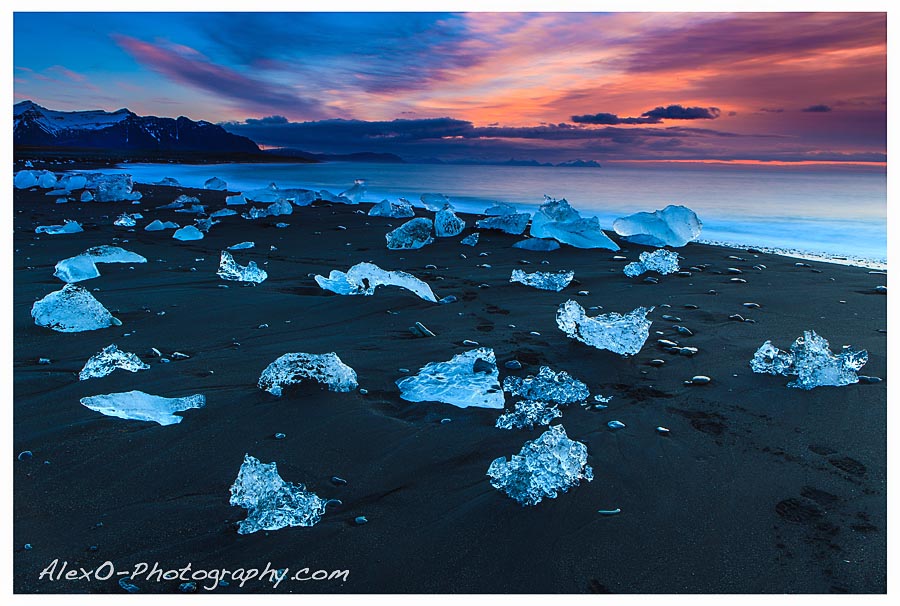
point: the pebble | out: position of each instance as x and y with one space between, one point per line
177 355
684 274
609 512
734 270
671 318
403 369
651 280
663 431
583 293
420 330
443 421
736 317
759 267
752 305
482 366
25 455
691 306
619 258
429 266
280 436
448 299
43 361
667 343
657 362
129 587
881 290
616 425
470 342
535 333
698 380
360 520
337 481
513 365
738 280
363 391
334 502
867 379
27 547
801 265
683 330
734 258
687 351
263 326
712 292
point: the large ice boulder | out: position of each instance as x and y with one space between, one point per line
292 368
671 226
514 223
811 361
395 210
621 334
468 379
447 224
141 406
25 179
72 309
557 219
413 234
364 278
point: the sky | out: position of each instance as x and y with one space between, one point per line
610 87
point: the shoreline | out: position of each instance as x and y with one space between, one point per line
758 488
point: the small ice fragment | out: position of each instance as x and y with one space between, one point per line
360 520
140 406
672 226
355 193
621 334
537 244
230 270
548 386
609 512
237 200
179 202
272 503
447 224
661 261
544 467
188 232
470 240
72 309
557 219
242 246
396 210
157 225
215 183
616 425
125 220
510 224
543 280
291 368
68 227
364 278
528 413
811 361
109 359
435 202
77 268
457 382
86 196
225 212
413 234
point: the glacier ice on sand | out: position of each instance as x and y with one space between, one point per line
83 266
435 202
621 334
661 261
412 235
125 220
72 309
25 179
395 210
356 192
188 233
811 361
672 226
215 183
556 219
109 359
447 224
468 379
364 278
544 467
292 368
157 225
527 414
470 240
514 223
140 406
271 502
68 227
543 280
230 270
548 386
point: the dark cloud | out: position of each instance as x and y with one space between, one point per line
268 120
678 112
603 118
771 110
816 109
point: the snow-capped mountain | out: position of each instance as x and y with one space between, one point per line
121 130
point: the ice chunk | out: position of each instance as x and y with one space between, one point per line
468 379
238 200
179 202
72 182
396 210
621 334
72 309
511 224
47 180
204 225
215 183
327 196
225 212
77 268
355 193
544 467
86 196
68 227
413 234
661 261
435 202
188 232
528 414
548 386
157 225
543 280
291 368
109 359
25 179
537 244
140 406
499 209
267 194
169 182
112 188
277 209
364 278
671 226
230 270
556 219
447 224
242 245
470 240
272 503
113 254
811 361
125 220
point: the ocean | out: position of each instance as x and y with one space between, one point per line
810 211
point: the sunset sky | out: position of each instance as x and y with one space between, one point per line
748 87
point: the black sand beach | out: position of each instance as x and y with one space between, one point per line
758 487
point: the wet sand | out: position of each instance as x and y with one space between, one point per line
758 487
